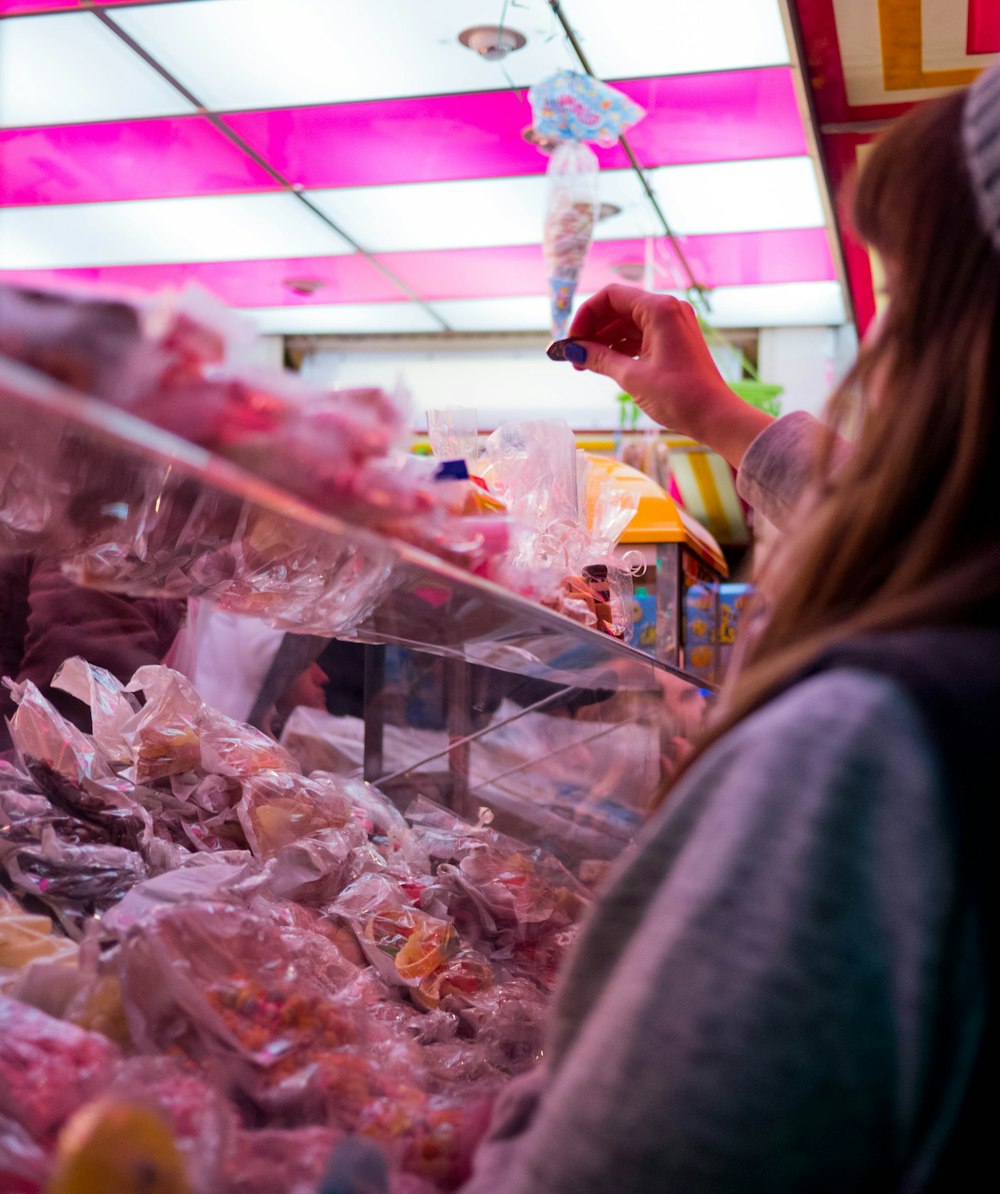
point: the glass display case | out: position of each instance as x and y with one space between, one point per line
474 696
245 935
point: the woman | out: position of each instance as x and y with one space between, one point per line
788 985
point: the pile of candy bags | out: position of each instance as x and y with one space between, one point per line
568 111
179 360
271 961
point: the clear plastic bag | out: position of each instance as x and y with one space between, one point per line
48 1068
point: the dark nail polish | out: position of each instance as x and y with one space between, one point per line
576 354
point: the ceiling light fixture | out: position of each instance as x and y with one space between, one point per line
491 42
303 286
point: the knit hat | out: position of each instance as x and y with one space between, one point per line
981 139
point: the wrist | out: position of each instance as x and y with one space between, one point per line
728 425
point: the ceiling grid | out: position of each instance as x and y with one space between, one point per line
352 167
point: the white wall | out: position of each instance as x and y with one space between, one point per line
808 362
504 382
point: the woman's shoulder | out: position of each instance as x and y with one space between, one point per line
844 708
846 746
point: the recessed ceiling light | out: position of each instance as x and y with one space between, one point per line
304 286
491 41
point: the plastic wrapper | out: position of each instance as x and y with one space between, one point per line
279 808
570 215
43 736
566 559
228 987
572 109
141 527
24 1166
453 433
111 707
308 963
48 1068
26 938
163 738
90 344
290 1160
76 882
201 1121
402 942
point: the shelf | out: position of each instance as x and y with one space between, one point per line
131 508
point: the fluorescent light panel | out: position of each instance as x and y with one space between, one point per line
786 304
313 51
205 228
342 319
631 38
471 213
66 68
756 196
530 313
790 304
774 193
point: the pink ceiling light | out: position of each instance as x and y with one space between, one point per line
133 159
735 259
727 115
11 8
343 279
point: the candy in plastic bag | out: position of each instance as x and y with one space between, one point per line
163 736
24 1166
111 707
572 107
48 1068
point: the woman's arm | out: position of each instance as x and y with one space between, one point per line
652 345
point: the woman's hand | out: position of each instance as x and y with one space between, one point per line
652 346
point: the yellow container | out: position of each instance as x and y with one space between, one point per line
685 567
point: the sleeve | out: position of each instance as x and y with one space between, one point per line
749 1006
113 632
776 468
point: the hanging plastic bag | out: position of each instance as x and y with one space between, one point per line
574 109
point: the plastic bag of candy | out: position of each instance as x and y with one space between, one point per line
570 109
76 882
48 1068
279 808
24 1166
292 1160
201 1121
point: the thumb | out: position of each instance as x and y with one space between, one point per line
592 357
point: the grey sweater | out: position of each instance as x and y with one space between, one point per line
758 1000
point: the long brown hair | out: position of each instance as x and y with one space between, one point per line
906 532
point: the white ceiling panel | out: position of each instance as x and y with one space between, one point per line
438 215
791 304
787 304
261 54
342 319
775 193
630 38
216 228
471 213
754 196
67 68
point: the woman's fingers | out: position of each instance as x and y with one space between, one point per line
611 305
